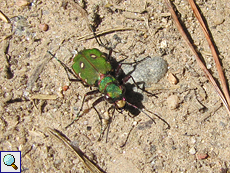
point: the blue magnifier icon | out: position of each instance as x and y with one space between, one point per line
9 160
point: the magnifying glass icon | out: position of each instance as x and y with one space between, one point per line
9 160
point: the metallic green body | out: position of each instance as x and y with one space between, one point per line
104 82
109 86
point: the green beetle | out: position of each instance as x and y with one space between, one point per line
92 68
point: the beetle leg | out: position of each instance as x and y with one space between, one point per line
82 104
127 136
99 40
110 54
117 71
67 69
108 125
88 94
125 79
141 110
109 121
99 100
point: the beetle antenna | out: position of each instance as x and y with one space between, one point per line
141 111
67 69
99 40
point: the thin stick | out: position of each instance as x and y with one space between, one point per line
202 66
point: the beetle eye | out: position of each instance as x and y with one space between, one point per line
109 99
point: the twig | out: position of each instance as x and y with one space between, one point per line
98 33
36 72
202 66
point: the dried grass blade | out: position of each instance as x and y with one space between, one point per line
214 53
4 17
92 168
99 33
83 13
202 66
44 97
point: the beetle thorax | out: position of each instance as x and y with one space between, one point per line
109 86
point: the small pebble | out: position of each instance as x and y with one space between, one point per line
192 150
172 79
222 124
201 156
59 93
134 123
21 3
88 128
65 88
218 20
44 27
173 101
57 163
163 44
173 147
193 140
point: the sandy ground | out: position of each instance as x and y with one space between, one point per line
198 139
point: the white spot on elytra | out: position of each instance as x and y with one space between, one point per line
93 56
82 65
